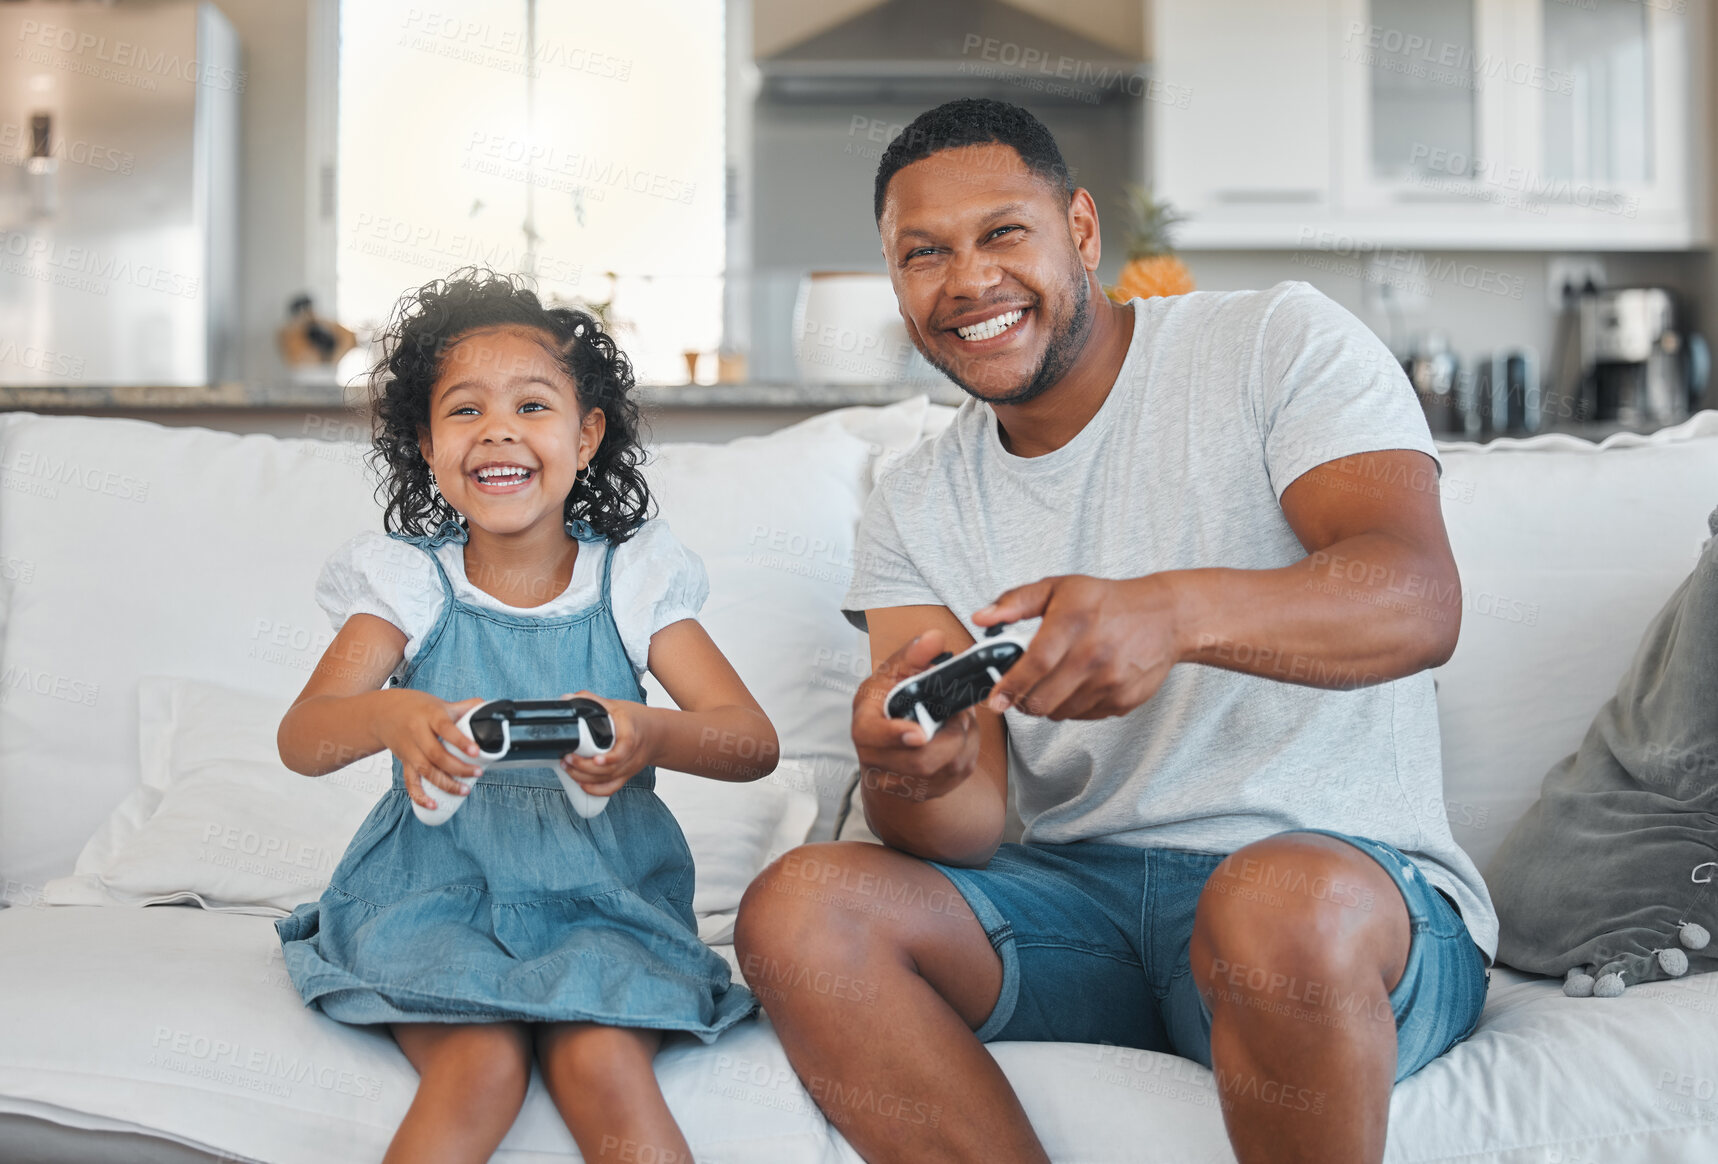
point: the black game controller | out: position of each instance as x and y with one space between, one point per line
530 733
953 683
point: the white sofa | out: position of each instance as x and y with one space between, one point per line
172 1033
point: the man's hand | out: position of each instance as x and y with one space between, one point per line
895 751
1104 647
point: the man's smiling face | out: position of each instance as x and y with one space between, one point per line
992 287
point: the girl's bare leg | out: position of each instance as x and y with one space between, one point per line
471 1084
603 1083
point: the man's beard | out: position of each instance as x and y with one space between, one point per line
1066 343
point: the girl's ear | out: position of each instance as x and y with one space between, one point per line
591 432
425 447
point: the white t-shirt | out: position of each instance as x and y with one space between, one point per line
1224 399
655 581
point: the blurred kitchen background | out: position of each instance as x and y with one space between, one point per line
207 210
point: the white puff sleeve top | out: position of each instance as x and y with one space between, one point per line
656 580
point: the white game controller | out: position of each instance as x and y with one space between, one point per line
953 683
528 733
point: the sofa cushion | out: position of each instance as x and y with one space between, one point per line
142 549
1604 869
182 1023
220 821
773 518
156 550
1566 550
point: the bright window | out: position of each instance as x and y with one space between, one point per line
563 139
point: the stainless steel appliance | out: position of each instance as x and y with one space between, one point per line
119 143
1636 368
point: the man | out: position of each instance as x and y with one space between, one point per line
1220 513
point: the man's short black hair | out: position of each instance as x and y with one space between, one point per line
967 122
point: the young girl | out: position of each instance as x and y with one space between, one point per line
519 564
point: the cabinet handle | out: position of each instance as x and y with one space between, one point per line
1266 196
1459 196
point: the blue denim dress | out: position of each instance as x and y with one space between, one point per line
517 907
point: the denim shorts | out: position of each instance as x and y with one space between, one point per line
1094 945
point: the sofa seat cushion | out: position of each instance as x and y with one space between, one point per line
180 1023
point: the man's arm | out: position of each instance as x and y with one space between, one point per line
943 800
1376 598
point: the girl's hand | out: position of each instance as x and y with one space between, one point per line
634 749
413 727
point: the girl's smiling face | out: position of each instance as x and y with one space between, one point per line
505 435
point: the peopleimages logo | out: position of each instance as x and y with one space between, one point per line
492 46
515 159
1085 79
43 360
1415 265
24 465
1445 62
73 151
18 678
423 245
1533 187
253 1068
88 269
96 55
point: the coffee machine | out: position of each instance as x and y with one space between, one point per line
1635 368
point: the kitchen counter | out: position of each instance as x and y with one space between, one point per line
679 411
327 396
142 397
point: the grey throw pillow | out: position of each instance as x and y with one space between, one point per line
1608 878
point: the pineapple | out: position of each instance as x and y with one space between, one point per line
1152 268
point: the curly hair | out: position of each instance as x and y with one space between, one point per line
611 495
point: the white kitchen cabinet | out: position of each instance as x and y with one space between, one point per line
1511 124
1248 156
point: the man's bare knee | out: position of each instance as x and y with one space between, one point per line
1298 905
869 914
805 900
